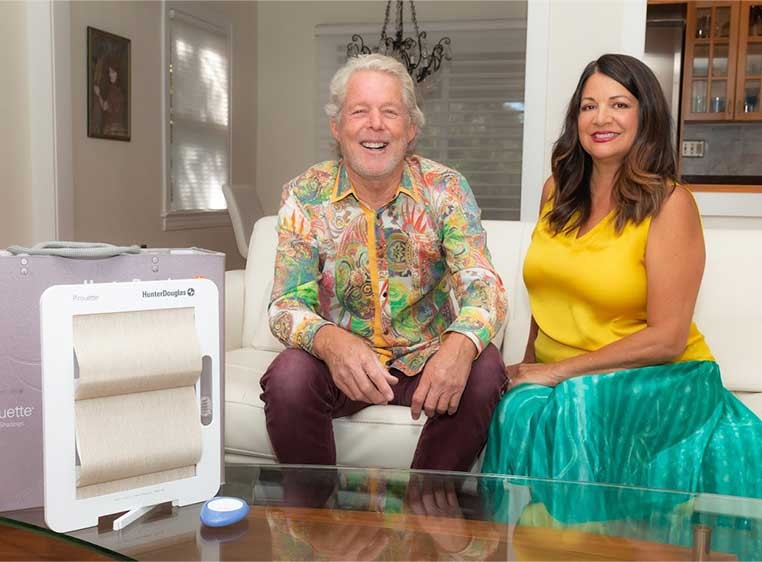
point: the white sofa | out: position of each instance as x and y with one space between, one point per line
729 312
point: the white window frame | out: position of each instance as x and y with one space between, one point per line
182 220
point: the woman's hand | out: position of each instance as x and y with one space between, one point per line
545 374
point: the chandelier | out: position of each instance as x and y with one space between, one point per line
410 51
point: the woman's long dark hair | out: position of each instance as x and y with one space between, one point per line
648 172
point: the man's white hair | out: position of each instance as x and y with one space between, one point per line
378 63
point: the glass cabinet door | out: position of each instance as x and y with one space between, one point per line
710 78
749 81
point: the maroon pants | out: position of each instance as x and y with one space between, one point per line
301 401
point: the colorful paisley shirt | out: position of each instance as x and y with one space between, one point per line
400 276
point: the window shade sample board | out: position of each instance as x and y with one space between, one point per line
136 411
127 352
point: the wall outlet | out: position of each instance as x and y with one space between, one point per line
692 149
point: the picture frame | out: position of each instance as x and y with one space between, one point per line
108 85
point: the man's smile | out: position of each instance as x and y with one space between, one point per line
371 145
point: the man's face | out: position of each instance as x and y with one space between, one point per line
373 127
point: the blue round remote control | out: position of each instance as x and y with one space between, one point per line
218 512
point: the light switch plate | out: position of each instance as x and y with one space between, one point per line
692 149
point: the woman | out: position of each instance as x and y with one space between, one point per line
112 102
617 384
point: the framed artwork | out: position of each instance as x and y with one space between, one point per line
108 85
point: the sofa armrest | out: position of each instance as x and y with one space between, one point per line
234 305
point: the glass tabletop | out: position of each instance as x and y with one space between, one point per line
309 513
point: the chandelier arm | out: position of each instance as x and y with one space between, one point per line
415 18
399 29
426 69
358 46
386 23
405 59
445 42
408 47
388 45
421 48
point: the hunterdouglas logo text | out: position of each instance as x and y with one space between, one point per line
166 293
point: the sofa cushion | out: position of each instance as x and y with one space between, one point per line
260 265
380 436
262 337
508 242
752 400
244 412
729 307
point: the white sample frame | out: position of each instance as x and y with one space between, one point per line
58 305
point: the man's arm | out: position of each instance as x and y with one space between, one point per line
480 294
294 299
294 317
477 286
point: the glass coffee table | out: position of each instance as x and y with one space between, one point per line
318 513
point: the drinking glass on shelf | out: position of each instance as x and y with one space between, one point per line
717 96
718 104
751 96
698 96
703 22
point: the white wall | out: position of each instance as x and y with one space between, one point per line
287 75
562 37
27 159
118 185
15 165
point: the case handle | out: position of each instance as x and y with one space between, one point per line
80 250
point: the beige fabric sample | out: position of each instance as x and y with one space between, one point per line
135 482
131 435
128 352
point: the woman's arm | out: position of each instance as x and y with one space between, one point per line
675 258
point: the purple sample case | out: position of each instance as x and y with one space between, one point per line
23 279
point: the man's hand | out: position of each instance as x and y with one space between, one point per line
444 377
545 374
354 367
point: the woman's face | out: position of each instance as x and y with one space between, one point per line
112 75
608 119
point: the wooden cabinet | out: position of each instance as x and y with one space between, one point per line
723 61
749 69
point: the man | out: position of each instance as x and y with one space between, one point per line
369 249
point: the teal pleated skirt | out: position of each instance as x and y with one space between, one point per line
668 427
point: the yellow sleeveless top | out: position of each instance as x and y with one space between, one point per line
590 291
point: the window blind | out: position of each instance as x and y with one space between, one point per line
199 113
474 107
